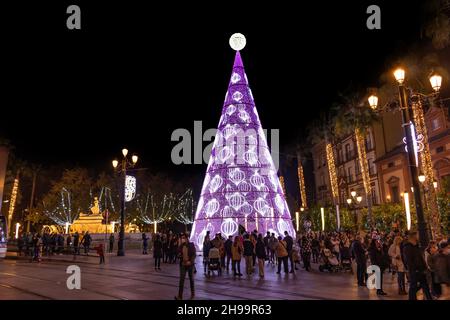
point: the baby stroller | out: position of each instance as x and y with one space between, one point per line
214 261
330 262
346 261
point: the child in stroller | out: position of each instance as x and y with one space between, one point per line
346 261
214 261
330 262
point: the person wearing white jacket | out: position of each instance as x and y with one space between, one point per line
397 263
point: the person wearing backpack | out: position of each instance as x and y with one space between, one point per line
187 254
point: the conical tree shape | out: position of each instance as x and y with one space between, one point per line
241 187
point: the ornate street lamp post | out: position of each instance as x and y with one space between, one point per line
411 145
123 171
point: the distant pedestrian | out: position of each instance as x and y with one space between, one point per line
227 245
144 243
76 243
397 263
111 242
187 254
157 251
69 243
86 241
282 255
248 254
236 256
101 252
260 251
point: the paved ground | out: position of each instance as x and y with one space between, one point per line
133 277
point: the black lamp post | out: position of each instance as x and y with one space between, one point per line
123 171
411 145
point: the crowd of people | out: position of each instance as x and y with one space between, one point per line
393 253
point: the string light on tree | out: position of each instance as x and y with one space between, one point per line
12 202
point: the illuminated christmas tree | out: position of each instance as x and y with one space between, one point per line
241 186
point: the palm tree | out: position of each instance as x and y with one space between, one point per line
355 117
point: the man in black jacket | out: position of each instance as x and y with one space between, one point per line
227 245
415 263
289 248
359 255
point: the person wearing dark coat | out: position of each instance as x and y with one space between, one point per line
415 263
144 243
157 251
260 251
290 246
359 255
111 242
248 254
227 246
86 241
76 243
378 258
306 252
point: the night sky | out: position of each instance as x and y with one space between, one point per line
135 73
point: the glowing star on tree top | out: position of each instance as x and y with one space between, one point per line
241 187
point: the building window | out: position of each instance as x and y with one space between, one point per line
322 180
440 149
368 142
435 124
347 151
340 156
390 164
374 196
395 194
357 167
349 175
371 167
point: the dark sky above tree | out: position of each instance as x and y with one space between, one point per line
136 72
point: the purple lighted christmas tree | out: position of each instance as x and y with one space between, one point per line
241 185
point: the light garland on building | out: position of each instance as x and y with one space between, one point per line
283 186
427 167
12 201
332 171
301 181
363 164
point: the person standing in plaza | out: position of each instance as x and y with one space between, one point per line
397 263
206 247
273 242
157 251
144 243
430 251
86 241
248 254
236 255
359 256
69 243
101 253
76 243
111 242
260 251
306 252
289 246
282 255
415 263
440 263
227 245
377 257
187 253
266 244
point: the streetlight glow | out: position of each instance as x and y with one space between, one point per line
422 178
359 199
373 101
407 210
134 158
353 193
124 152
115 163
297 219
322 214
436 81
435 184
349 201
399 75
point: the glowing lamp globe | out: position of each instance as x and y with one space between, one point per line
349 201
422 178
399 75
373 101
237 41
436 81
